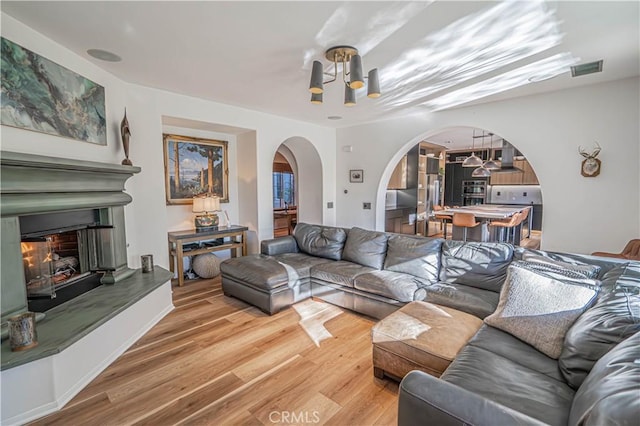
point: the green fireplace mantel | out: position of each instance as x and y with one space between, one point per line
37 184
33 184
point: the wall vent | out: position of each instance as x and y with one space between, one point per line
588 68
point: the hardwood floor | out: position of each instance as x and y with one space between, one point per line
216 360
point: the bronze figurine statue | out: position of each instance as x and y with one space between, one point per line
126 134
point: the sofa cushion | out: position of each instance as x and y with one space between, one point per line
417 256
570 268
321 241
609 395
538 309
614 317
342 272
365 247
482 265
514 349
511 384
301 262
471 300
393 285
256 270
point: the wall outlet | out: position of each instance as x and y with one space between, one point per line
330 205
366 206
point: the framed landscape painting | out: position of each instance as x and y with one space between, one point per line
194 166
40 95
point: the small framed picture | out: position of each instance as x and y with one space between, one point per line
356 176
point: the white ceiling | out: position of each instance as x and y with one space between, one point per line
258 55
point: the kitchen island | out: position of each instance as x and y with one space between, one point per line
484 213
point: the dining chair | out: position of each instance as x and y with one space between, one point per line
465 221
507 226
443 218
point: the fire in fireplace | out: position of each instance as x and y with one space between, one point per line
63 255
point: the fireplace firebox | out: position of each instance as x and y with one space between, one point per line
64 255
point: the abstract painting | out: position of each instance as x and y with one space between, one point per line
40 95
194 166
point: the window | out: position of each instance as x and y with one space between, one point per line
283 189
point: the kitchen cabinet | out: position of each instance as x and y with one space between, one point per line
526 177
397 221
454 175
398 178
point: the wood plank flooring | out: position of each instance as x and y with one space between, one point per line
216 360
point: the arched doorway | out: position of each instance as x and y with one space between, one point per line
306 170
514 184
284 187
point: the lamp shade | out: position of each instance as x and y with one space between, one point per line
473 161
373 85
316 78
208 203
316 98
480 172
491 165
349 96
355 71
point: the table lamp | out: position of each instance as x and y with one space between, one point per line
207 204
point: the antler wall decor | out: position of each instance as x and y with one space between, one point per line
590 165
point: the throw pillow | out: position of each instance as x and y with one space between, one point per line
365 247
576 268
557 272
320 241
538 309
614 317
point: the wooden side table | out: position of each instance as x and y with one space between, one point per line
232 237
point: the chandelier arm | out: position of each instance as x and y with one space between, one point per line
335 74
344 69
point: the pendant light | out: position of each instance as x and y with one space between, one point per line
491 165
481 171
472 161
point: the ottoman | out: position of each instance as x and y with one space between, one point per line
263 282
420 336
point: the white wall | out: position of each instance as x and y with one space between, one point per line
580 214
148 218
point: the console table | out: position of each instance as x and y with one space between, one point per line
232 237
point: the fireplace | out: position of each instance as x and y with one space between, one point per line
64 255
63 229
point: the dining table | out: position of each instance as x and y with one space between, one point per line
484 213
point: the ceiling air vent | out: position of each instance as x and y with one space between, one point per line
584 69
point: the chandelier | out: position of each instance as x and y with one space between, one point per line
352 75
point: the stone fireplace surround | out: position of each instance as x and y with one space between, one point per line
80 338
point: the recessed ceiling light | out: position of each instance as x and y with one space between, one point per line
104 55
334 117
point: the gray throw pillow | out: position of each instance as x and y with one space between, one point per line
366 248
417 256
557 272
321 241
538 309
614 317
576 268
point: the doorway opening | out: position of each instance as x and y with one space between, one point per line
456 184
284 185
